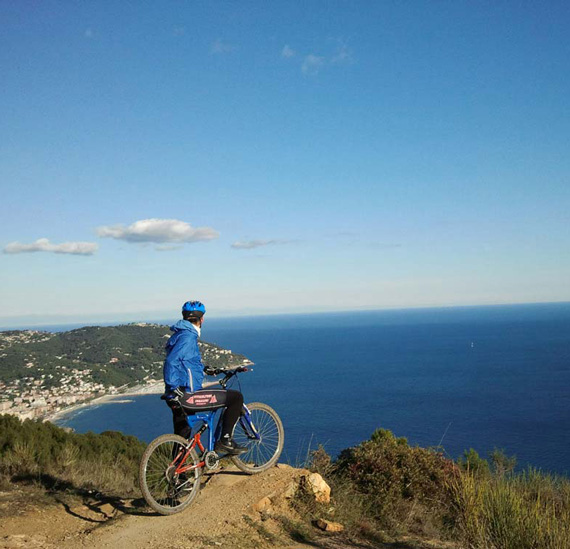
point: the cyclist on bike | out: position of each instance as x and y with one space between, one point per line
183 375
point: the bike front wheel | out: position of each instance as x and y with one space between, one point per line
165 488
260 430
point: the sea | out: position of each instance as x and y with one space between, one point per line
495 377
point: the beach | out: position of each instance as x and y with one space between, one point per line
155 388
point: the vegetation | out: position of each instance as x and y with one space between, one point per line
44 453
384 487
525 510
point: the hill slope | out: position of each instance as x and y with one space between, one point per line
43 370
222 516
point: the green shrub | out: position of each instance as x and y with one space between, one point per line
31 449
472 462
385 485
501 462
398 480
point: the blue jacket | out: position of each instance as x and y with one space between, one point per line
183 365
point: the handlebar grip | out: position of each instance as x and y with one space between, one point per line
229 371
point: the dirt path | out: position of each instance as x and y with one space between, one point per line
221 516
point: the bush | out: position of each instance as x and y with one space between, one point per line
34 450
385 485
390 472
502 463
473 463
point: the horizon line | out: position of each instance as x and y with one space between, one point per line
18 322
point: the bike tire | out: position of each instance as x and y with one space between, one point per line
263 453
163 490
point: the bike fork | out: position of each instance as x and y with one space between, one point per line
246 418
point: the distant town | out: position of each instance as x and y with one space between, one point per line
43 374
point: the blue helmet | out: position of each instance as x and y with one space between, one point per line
193 309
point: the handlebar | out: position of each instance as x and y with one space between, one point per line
229 373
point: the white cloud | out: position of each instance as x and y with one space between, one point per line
343 56
44 245
251 244
221 47
158 231
287 51
167 247
312 64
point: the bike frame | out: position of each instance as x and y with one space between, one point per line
209 421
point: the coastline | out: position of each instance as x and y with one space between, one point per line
147 389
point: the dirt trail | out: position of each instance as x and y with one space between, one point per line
221 516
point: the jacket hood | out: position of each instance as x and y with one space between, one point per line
182 325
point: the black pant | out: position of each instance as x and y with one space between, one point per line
204 400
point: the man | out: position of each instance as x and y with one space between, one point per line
183 375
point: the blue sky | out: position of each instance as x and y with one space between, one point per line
332 155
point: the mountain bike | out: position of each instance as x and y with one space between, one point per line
171 466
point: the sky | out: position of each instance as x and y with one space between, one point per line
268 157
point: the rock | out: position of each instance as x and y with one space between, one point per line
315 484
107 510
283 466
262 505
290 491
329 526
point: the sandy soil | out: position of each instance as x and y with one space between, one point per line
221 516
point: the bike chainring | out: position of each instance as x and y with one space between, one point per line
211 461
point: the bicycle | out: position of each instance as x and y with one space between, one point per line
171 466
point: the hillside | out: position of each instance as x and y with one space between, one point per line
65 489
42 371
222 516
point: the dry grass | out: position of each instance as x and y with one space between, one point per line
528 510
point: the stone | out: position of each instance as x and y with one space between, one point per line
315 484
290 491
329 526
107 510
262 505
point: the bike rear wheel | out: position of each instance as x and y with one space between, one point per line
263 451
166 491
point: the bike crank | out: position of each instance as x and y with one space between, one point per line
211 461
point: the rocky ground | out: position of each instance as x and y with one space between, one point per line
233 510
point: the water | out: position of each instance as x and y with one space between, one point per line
478 377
